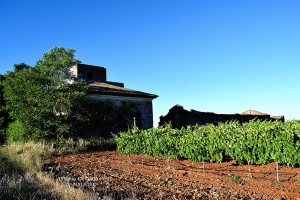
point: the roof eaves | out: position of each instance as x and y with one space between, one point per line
122 93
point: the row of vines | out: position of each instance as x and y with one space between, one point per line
256 142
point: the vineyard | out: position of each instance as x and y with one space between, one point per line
256 142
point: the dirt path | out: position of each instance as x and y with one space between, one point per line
114 175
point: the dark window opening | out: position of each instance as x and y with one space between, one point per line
90 75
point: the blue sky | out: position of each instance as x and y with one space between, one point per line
208 55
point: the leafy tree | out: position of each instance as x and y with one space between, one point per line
41 99
3 113
21 66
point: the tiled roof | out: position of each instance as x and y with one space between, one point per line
114 90
253 112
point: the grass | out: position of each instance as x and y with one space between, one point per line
21 176
237 179
90 144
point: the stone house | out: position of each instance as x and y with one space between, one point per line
180 117
120 108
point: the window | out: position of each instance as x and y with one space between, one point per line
90 75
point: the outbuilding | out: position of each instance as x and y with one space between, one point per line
120 108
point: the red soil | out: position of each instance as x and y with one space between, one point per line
143 177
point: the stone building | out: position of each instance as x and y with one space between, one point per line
179 117
120 107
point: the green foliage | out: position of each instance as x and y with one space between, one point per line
21 66
16 132
3 113
2 130
236 179
41 99
256 142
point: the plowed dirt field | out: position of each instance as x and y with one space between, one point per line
110 174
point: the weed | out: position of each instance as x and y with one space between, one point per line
237 179
70 145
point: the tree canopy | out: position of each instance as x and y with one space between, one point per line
40 99
3 113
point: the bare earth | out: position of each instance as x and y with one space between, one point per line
110 174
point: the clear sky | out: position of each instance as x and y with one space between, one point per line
208 55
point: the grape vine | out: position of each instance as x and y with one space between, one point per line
256 142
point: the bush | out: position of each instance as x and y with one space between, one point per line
16 132
2 132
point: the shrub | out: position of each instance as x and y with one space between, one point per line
16 132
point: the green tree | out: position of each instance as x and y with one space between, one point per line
3 113
41 99
21 66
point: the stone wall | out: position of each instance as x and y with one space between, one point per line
144 110
91 73
179 117
146 114
127 112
